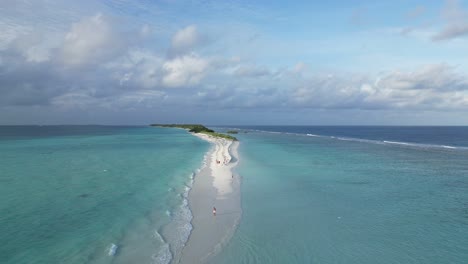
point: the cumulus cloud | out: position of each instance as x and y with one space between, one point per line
141 78
187 70
91 39
10 33
300 67
92 64
32 47
35 69
185 40
437 77
429 87
139 68
456 21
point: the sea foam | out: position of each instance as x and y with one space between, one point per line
164 255
112 249
177 231
370 141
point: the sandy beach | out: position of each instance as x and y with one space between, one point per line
214 186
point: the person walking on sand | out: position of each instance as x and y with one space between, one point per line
214 211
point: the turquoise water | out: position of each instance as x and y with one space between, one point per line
312 199
91 194
68 194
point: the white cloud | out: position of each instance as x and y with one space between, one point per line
299 67
456 21
117 73
187 70
429 87
91 39
146 69
139 68
33 47
185 39
37 54
10 32
437 77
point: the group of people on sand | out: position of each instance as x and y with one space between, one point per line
225 162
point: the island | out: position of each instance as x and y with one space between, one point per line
214 185
197 128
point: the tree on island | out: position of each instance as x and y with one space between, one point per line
196 128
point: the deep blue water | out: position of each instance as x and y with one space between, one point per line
427 135
35 131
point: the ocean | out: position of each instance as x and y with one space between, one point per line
103 194
352 195
95 194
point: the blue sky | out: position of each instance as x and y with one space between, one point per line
234 62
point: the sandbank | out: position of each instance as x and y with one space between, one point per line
214 186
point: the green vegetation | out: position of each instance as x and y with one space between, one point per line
195 128
191 127
214 134
232 132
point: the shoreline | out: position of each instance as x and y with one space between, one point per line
215 185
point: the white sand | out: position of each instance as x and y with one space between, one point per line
214 186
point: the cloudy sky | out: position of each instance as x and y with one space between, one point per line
360 62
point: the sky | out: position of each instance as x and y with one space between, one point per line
357 62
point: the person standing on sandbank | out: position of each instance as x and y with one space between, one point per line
214 211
